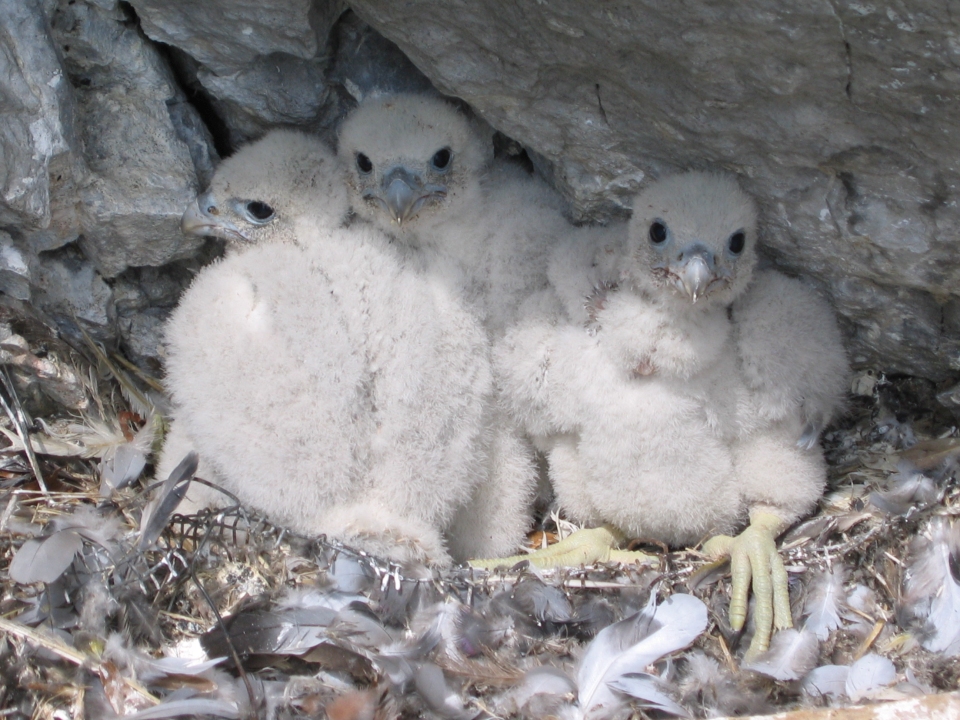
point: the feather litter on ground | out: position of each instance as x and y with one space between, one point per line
113 605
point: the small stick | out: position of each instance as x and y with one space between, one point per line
869 640
53 644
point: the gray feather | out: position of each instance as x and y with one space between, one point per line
433 688
121 467
45 560
157 513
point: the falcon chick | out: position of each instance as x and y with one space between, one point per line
656 422
322 379
421 171
283 170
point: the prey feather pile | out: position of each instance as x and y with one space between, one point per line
113 606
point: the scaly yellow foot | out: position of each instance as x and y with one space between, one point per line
580 548
753 556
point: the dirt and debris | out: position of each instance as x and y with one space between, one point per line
112 606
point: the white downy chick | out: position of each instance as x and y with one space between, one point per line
284 172
419 169
648 421
323 380
791 354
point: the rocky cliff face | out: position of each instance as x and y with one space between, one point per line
842 118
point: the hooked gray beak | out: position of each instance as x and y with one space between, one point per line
194 222
400 194
695 272
695 277
198 222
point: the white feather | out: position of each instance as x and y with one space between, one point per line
868 675
827 681
551 684
179 666
907 490
932 590
825 602
648 689
630 645
792 654
192 707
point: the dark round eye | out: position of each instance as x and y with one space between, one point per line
259 210
658 233
213 210
441 159
363 163
737 241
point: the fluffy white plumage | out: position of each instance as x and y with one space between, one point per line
323 379
666 417
643 406
671 400
422 172
791 353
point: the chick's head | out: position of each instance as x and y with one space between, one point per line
412 163
692 238
260 192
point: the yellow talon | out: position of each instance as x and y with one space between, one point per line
583 547
754 559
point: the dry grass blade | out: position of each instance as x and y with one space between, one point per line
11 405
49 642
141 402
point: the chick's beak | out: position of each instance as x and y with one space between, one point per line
695 272
193 221
400 195
695 277
196 221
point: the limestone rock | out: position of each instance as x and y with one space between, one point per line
366 63
276 89
67 286
14 270
143 144
37 133
62 284
843 118
228 35
259 64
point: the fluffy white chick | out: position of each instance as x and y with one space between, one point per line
421 171
418 169
250 187
323 380
808 383
648 421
